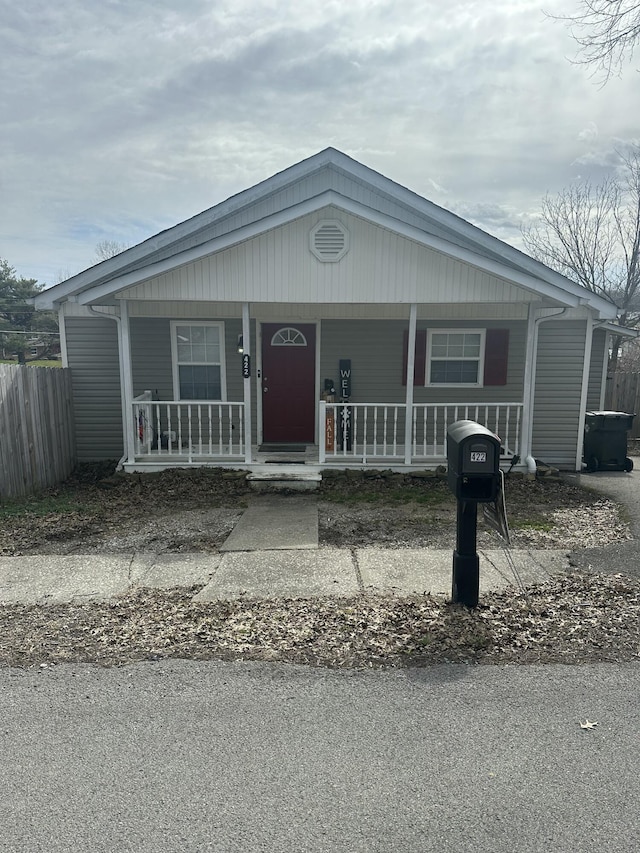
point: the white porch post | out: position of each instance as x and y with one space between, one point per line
246 345
63 336
586 367
411 359
127 378
528 386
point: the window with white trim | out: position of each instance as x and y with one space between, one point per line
198 361
455 357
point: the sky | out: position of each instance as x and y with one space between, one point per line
120 118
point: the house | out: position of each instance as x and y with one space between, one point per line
331 316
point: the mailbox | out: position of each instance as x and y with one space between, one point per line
473 458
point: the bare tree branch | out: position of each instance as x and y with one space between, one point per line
606 32
106 249
591 234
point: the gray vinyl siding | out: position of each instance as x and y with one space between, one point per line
151 356
375 348
595 369
152 365
92 349
558 388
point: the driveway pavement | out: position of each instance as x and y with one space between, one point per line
624 556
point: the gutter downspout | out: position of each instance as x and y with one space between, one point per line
534 325
605 370
118 322
586 368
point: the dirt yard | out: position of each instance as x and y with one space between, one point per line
181 511
572 619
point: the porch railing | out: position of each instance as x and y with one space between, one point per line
188 431
366 432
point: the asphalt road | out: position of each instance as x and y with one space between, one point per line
192 756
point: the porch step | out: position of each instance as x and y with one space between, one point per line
284 480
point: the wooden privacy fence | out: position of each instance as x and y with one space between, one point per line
623 395
37 446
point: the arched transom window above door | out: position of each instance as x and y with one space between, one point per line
288 337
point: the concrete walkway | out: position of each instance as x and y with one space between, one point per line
273 552
277 523
261 574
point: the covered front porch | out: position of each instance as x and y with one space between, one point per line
170 433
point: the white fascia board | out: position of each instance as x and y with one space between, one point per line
621 331
450 221
240 235
521 279
83 281
333 199
537 272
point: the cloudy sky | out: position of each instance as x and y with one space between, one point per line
123 117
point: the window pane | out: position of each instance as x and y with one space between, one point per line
439 346
212 335
197 334
469 371
472 346
212 352
456 340
198 353
183 333
438 371
464 372
200 382
455 351
184 351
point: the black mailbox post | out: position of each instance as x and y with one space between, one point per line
473 459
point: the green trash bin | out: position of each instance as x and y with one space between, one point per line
605 441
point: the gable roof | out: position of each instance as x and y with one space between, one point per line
329 177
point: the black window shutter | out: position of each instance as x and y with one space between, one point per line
420 356
496 356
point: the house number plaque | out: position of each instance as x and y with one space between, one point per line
246 366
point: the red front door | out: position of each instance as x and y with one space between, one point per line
288 382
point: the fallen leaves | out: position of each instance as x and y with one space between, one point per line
573 619
194 510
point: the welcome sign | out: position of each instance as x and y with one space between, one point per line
345 378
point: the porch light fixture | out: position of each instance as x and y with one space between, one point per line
240 344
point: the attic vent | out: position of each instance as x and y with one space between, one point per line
329 240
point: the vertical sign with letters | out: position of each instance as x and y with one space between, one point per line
346 412
345 378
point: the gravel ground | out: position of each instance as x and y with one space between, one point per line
581 617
